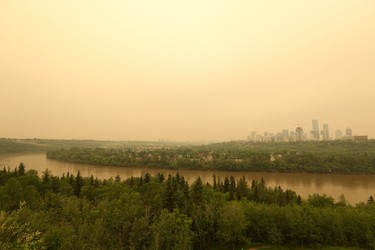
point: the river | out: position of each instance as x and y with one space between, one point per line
356 188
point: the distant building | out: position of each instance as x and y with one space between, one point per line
325 132
348 132
299 134
360 138
279 137
285 134
315 130
252 136
292 136
338 135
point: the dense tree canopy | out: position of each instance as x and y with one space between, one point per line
10 146
324 156
164 212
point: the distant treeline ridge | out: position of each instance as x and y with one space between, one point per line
322 157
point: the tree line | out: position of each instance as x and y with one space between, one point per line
165 212
11 146
322 157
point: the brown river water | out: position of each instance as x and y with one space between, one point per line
355 187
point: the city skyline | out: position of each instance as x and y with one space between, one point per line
314 134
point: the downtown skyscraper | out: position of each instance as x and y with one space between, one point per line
315 130
325 132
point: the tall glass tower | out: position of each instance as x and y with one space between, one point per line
325 132
299 134
315 129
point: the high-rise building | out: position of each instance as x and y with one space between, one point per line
315 130
299 134
338 135
285 134
348 132
292 136
325 132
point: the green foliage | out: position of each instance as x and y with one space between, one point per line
17 234
11 146
172 231
153 212
232 224
317 200
324 157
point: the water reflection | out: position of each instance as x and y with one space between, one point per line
356 188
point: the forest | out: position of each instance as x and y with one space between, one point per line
14 146
318 157
43 211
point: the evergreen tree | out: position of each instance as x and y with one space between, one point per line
169 196
78 183
242 188
21 169
232 188
226 184
197 191
370 200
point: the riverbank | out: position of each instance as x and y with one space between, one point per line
275 171
356 188
309 157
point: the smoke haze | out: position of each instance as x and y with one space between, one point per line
184 70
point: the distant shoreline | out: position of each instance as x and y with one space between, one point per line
208 170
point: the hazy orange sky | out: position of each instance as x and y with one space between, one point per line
184 70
